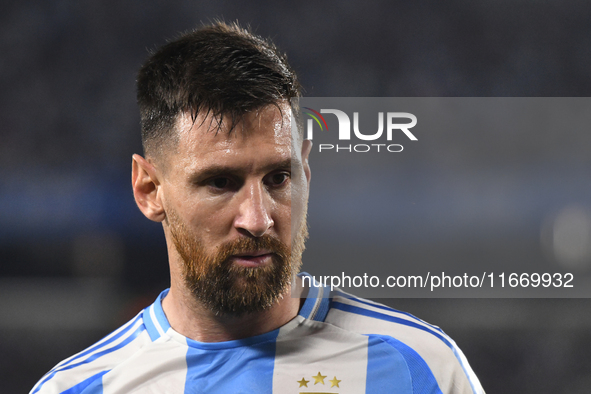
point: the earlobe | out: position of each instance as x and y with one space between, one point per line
146 187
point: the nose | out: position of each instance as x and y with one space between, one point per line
254 216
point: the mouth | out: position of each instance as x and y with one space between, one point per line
252 258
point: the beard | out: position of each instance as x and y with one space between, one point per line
229 289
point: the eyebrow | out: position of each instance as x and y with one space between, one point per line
218 169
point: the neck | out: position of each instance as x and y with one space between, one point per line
190 318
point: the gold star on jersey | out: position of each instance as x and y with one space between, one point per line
319 379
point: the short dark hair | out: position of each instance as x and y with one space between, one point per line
222 69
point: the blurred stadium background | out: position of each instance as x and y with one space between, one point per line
77 258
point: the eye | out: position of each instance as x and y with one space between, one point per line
220 183
278 179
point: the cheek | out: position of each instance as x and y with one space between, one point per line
213 222
283 215
299 201
284 226
206 220
297 214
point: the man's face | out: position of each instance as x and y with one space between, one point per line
235 206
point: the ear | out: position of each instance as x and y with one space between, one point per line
306 148
146 189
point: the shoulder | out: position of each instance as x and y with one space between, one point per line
84 371
421 343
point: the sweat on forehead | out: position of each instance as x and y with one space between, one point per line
268 125
276 115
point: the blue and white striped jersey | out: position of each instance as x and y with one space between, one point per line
340 344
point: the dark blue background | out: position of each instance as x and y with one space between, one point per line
76 256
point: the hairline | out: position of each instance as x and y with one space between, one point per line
171 139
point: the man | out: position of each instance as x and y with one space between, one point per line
229 182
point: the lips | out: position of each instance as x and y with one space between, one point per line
252 258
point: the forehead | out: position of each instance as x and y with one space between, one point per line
260 134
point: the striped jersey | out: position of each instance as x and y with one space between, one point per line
337 344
